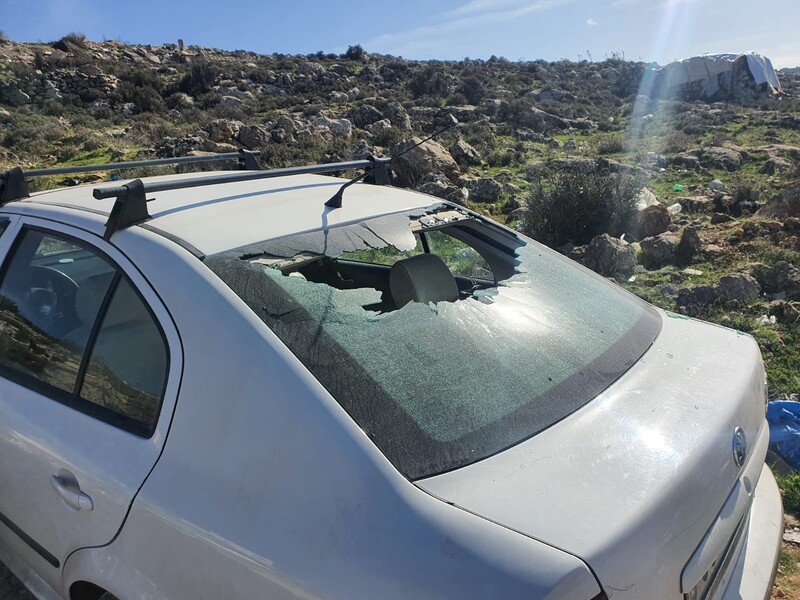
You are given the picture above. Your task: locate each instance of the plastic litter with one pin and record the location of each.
(783, 417)
(674, 209)
(766, 321)
(677, 187)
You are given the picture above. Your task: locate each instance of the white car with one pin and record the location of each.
(218, 386)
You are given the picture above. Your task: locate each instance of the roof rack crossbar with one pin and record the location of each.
(16, 189)
(379, 164)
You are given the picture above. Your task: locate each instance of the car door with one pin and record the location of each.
(89, 371)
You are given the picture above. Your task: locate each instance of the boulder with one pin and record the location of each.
(379, 127)
(364, 114)
(717, 186)
(717, 157)
(782, 277)
(786, 206)
(645, 198)
(776, 164)
(689, 246)
(442, 188)
(254, 136)
(540, 121)
(223, 130)
(398, 116)
(341, 128)
(659, 250)
(418, 164)
(738, 289)
(686, 160)
(652, 220)
(609, 257)
(483, 189)
(695, 301)
(464, 154)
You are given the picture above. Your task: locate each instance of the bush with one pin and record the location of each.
(199, 79)
(790, 486)
(472, 90)
(355, 52)
(430, 81)
(611, 145)
(578, 204)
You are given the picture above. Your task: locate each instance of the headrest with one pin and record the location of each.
(422, 278)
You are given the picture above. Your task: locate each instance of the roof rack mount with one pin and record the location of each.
(15, 187)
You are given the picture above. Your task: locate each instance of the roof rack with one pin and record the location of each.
(130, 207)
(15, 188)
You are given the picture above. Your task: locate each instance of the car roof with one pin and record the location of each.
(219, 217)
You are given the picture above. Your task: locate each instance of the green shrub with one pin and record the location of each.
(578, 204)
(355, 52)
(611, 145)
(199, 79)
(790, 486)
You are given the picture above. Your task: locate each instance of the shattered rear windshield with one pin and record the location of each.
(441, 360)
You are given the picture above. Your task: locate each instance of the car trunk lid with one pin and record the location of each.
(635, 482)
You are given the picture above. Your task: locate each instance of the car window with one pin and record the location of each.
(54, 292)
(3, 225)
(127, 367)
(461, 259)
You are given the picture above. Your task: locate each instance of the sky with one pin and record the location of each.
(649, 30)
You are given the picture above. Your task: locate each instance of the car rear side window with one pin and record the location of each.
(3, 225)
(73, 328)
(127, 367)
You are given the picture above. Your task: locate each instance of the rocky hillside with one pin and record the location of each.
(709, 224)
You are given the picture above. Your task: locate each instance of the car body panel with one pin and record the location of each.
(650, 462)
(41, 437)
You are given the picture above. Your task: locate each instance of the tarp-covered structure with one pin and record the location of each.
(717, 77)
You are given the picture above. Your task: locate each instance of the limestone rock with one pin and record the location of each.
(609, 257)
(414, 166)
(659, 250)
(738, 289)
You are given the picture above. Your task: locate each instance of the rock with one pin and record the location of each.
(651, 221)
(418, 164)
(686, 160)
(645, 198)
(15, 96)
(363, 115)
(717, 186)
(379, 127)
(689, 246)
(738, 289)
(694, 204)
(571, 145)
(541, 121)
(787, 205)
(782, 277)
(774, 165)
(659, 250)
(696, 301)
(464, 154)
(717, 157)
(338, 127)
(223, 130)
(717, 218)
(398, 116)
(442, 188)
(254, 136)
(230, 101)
(609, 257)
(483, 189)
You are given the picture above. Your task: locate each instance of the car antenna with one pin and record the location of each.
(336, 200)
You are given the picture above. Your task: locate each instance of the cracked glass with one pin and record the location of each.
(440, 385)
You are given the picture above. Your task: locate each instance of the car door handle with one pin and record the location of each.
(72, 494)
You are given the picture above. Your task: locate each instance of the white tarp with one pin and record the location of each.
(707, 69)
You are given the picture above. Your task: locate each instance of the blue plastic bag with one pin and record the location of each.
(783, 417)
